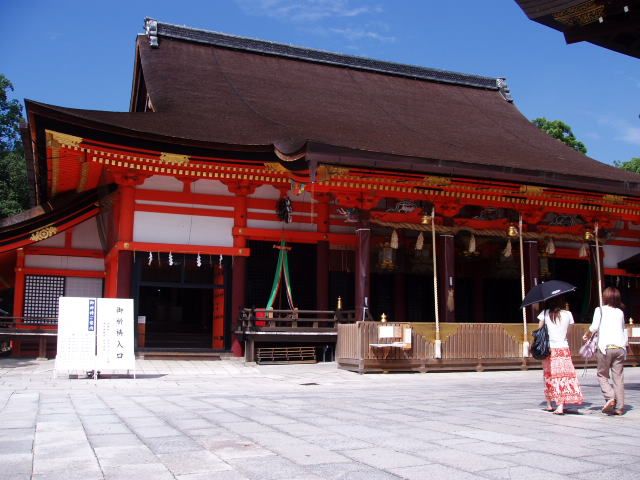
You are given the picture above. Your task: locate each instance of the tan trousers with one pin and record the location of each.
(612, 361)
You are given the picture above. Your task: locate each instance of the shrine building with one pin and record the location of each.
(249, 174)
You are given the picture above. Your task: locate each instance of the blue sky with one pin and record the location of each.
(80, 53)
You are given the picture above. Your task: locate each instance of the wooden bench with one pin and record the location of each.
(285, 355)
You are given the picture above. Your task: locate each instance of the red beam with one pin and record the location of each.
(295, 236)
(67, 252)
(177, 248)
(204, 212)
(64, 272)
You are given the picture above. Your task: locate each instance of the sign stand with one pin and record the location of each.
(95, 335)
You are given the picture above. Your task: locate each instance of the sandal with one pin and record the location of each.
(556, 412)
(619, 412)
(611, 403)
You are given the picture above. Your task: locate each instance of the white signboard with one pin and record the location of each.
(95, 334)
(76, 334)
(115, 334)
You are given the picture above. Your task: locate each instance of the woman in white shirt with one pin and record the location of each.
(560, 381)
(612, 342)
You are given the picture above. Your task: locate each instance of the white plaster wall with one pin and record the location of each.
(182, 229)
(266, 191)
(210, 187)
(86, 235)
(163, 183)
(615, 253)
(278, 226)
(184, 205)
(66, 263)
(83, 287)
(55, 241)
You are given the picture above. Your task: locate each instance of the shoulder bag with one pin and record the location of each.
(590, 347)
(541, 348)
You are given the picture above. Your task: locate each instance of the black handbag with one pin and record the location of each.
(540, 348)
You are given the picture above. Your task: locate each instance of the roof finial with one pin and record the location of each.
(503, 88)
(151, 29)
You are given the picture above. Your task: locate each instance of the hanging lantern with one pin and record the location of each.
(420, 242)
(425, 220)
(550, 247)
(170, 259)
(150, 261)
(198, 260)
(512, 231)
(394, 240)
(385, 257)
(588, 236)
(508, 250)
(544, 267)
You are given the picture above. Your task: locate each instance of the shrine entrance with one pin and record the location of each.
(183, 301)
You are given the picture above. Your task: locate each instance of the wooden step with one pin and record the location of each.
(286, 355)
(182, 354)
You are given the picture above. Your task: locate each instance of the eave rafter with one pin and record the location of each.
(352, 185)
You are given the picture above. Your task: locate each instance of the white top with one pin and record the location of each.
(612, 331)
(557, 331)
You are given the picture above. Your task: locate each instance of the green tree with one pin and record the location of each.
(560, 131)
(14, 190)
(632, 165)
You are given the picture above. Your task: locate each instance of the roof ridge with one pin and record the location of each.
(155, 29)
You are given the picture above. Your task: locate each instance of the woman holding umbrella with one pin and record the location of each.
(560, 381)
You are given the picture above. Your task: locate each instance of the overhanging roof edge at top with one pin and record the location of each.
(223, 40)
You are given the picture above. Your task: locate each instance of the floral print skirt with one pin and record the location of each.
(560, 380)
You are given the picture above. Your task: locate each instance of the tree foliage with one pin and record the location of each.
(14, 192)
(632, 165)
(560, 131)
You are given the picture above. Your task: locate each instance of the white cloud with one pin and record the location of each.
(305, 10)
(593, 135)
(631, 135)
(625, 131)
(361, 33)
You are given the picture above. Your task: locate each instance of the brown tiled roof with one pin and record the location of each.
(212, 89)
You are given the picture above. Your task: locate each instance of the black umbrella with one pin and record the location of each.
(545, 291)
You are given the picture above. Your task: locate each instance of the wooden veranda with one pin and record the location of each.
(465, 346)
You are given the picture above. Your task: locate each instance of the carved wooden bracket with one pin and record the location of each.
(241, 188)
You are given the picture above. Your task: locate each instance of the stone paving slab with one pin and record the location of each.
(224, 420)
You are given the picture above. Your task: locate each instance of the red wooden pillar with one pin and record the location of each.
(239, 267)
(111, 280)
(400, 285)
(218, 310)
(531, 274)
(446, 278)
(18, 296)
(119, 263)
(363, 256)
(322, 253)
(19, 288)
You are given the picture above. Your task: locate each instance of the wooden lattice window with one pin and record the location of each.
(41, 296)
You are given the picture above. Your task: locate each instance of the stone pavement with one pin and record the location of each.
(229, 421)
